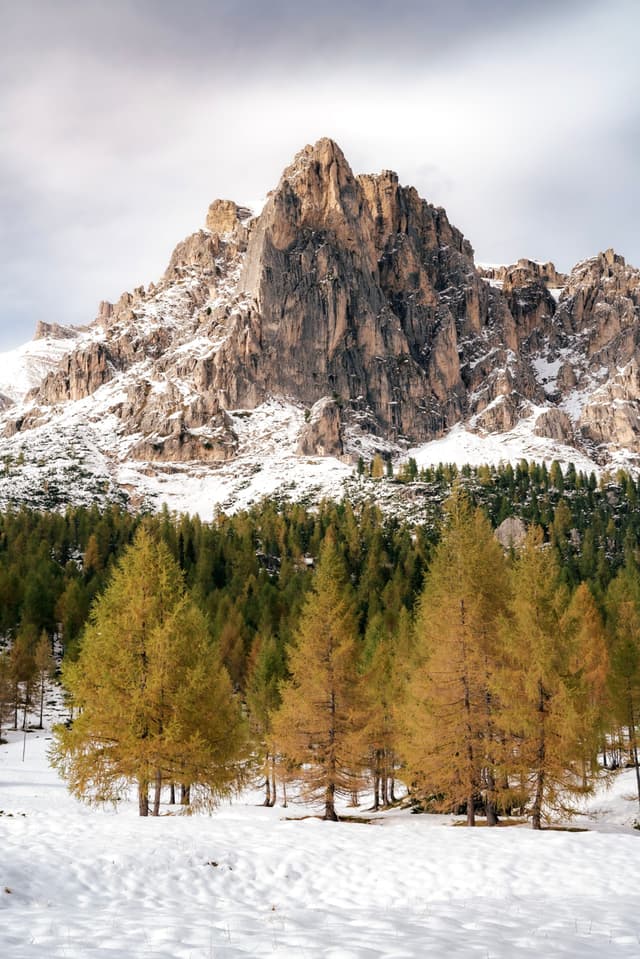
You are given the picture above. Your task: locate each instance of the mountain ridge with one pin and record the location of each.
(356, 305)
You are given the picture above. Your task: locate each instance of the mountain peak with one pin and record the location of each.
(224, 215)
(323, 185)
(324, 152)
(350, 298)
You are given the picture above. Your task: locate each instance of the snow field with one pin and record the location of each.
(80, 883)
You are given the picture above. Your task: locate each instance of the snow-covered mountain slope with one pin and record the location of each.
(347, 319)
(24, 368)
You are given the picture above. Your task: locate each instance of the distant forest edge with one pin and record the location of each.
(249, 571)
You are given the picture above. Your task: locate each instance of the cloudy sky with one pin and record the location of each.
(121, 121)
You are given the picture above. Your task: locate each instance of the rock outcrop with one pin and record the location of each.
(80, 373)
(524, 273)
(54, 331)
(511, 533)
(322, 432)
(358, 300)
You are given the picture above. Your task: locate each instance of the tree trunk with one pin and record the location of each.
(157, 792)
(172, 794)
(392, 790)
(26, 703)
(490, 794)
(471, 811)
(329, 803)
(185, 795)
(490, 806)
(385, 778)
(330, 794)
(471, 794)
(41, 701)
(272, 772)
(536, 811)
(143, 798)
(634, 747)
(267, 791)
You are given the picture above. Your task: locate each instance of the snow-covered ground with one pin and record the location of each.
(79, 883)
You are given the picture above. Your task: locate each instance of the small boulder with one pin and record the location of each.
(511, 533)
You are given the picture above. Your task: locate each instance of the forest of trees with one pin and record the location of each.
(353, 651)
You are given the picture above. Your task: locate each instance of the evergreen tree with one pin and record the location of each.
(23, 668)
(45, 667)
(451, 741)
(155, 702)
(588, 670)
(263, 700)
(318, 725)
(377, 467)
(384, 678)
(623, 608)
(541, 710)
(6, 690)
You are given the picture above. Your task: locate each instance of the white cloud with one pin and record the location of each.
(113, 159)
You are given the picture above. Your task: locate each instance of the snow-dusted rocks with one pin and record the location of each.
(511, 533)
(322, 433)
(349, 287)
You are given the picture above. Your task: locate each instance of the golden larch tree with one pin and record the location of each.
(318, 725)
(451, 742)
(543, 706)
(154, 701)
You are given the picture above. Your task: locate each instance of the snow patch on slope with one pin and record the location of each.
(462, 447)
(24, 368)
(266, 465)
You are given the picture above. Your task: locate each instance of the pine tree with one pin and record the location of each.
(318, 725)
(155, 702)
(377, 467)
(263, 700)
(6, 690)
(45, 666)
(623, 608)
(451, 742)
(23, 668)
(384, 679)
(588, 670)
(541, 711)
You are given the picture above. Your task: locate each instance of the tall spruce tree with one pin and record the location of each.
(318, 725)
(155, 703)
(451, 743)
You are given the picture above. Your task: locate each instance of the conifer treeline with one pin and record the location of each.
(251, 573)
(53, 564)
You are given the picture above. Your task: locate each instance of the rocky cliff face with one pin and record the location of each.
(525, 272)
(353, 298)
